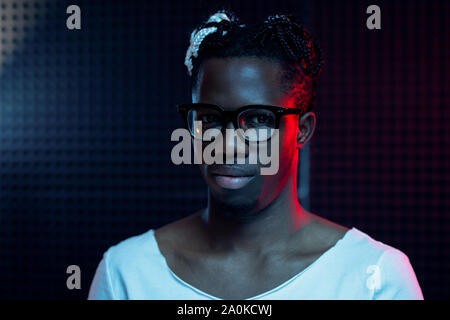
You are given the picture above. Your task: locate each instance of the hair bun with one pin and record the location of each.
(218, 17)
(223, 14)
(212, 25)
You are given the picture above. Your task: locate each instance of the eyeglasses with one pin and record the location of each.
(261, 118)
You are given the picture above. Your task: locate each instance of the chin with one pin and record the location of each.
(236, 202)
(237, 210)
(237, 197)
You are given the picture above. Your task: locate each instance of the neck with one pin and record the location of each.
(272, 227)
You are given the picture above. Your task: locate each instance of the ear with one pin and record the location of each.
(306, 126)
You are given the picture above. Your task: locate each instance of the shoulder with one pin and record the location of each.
(378, 267)
(369, 249)
(356, 242)
(134, 248)
(319, 234)
(148, 244)
(120, 264)
(359, 247)
(390, 274)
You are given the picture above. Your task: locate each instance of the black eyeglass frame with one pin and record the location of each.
(233, 116)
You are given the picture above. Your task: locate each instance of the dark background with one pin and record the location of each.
(86, 118)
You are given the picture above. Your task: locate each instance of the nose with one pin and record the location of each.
(234, 146)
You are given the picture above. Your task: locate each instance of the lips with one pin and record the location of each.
(232, 177)
(231, 182)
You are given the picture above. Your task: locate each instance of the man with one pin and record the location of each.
(253, 239)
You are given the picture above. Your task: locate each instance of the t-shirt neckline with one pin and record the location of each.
(322, 257)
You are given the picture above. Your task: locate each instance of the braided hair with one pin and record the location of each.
(281, 38)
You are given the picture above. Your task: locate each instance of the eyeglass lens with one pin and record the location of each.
(258, 119)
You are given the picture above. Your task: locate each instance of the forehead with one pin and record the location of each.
(234, 82)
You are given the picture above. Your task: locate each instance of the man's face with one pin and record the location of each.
(232, 83)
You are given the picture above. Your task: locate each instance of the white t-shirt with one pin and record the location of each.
(356, 267)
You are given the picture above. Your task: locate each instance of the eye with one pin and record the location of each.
(260, 119)
(209, 118)
(257, 118)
